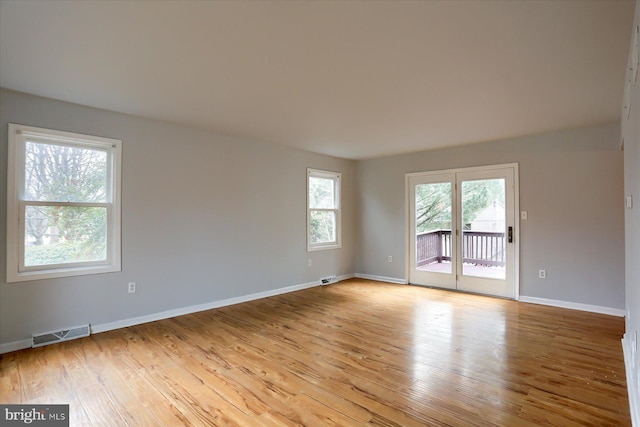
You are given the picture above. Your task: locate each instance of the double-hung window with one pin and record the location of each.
(323, 210)
(63, 216)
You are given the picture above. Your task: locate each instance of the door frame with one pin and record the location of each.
(516, 207)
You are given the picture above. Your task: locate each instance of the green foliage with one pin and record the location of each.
(60, 253)
(433, 207)
(61, 173)
(322, 195)
(477, 195)
(433, 202)
(323, 227)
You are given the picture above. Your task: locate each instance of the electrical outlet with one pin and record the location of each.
(309, 262)
(132, 287)
(542, 274)
(389, 258)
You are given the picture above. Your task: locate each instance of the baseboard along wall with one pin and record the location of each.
(619, 312)
(381, 278)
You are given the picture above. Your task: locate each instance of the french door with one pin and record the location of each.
(462, 229)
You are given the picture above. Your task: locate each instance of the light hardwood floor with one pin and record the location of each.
(354, 353)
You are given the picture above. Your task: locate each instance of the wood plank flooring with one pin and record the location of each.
(353, 353)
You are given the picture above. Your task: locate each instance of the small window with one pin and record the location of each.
(323, 210)
(63, 204)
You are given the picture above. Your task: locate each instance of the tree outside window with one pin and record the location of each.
(323, 209)
(63, 204)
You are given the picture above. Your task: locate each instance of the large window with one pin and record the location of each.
(63, 204)
(323, 210)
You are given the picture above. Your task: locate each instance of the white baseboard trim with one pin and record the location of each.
(15, 346)
(574, 306)
(104, 327)
(632, 386)
(381, 278)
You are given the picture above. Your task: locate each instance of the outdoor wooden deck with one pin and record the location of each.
(468, 269)
(483, 253)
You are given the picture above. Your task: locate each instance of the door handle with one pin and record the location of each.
(510, 234)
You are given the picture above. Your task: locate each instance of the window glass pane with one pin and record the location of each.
(60, 173)
(321, 193)
(433, 207)
(323, 226)
(64, 234)
(484, 226)
(433, 227)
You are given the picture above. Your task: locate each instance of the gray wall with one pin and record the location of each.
(571, 185)
(205, 217)
(193, 217)
(631, 135)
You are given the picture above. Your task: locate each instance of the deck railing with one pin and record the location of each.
(485, 248)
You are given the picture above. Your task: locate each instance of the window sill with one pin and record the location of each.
(60, 272)
(323, 247)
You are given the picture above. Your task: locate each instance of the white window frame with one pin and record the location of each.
(16, 204)
(337, 178)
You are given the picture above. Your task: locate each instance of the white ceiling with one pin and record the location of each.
(352, 79)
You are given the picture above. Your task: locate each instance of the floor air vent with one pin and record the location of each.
(328, 280)
(53, 337)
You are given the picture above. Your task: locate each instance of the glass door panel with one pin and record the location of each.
(433, 249)
(484, 228)
(486, 262)
(433, 227)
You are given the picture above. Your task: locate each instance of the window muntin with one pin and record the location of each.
(63, 205)
(323, 210)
